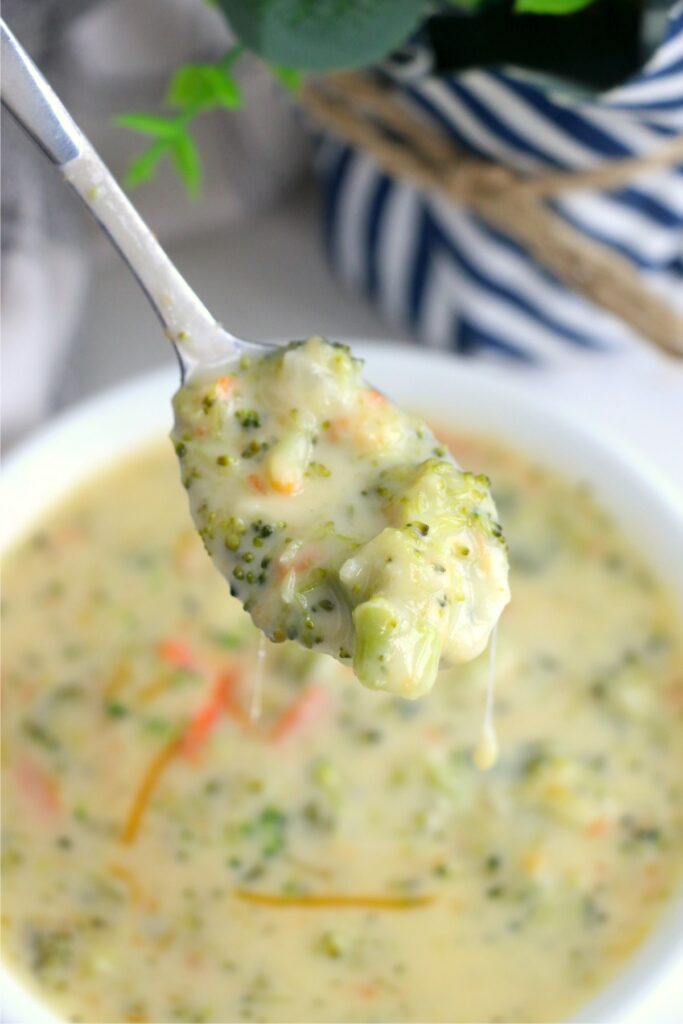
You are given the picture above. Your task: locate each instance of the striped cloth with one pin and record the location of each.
(458, 283)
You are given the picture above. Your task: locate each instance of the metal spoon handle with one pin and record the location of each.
(33, 103)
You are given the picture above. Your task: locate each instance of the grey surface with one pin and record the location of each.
(264, 278)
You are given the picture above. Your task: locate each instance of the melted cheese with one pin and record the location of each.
(486, 751)
(338, 520)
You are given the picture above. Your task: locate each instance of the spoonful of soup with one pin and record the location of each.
(338, 520)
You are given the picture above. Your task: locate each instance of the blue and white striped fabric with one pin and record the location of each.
(456, 282)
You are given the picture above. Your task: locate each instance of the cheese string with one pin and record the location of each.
(486, 751)
(256, 689)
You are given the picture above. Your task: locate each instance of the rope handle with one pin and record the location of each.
(373, 117)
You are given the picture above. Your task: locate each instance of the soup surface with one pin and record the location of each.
(171, 855)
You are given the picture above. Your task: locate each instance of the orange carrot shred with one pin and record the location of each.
(286, 487)
(339, 427)
(225, 385)
(257, 484)
(347, 901)
(150, 779)
(179, 654)
(118, 679)
(597, 827)
(159, 684)
(309, 707)
(220, 700)
(306, 559)
(39, 788)
(368, 990)
(125, 875)
(674, 695)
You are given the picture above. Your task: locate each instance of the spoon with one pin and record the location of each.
(395, 635)
(198, 339)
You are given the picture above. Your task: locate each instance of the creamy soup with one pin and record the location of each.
(170, 856)
(340, 521)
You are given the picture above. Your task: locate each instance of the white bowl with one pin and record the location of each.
(86, 440)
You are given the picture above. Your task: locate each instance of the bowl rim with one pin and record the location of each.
(75, 429)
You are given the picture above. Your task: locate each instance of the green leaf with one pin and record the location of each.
(320, 35)
(186, 157)
(204, 85)
(143, 167)
(289, 77)
(550, 6)
(149, 124)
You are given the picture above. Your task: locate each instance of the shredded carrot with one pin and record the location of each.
(70, 534)
(40, 789)
(257, 484)
(151, 777)
(125, 875)
(287, 487)
(339, 427)
(225, 385)
(117, 680)
(368, 990)
(178, 654)
(201, 725)
(309, 707)
(376, 397)
(434, 734)
(220, 700)
(347, 901)
(159, 684)
(597, 827)
(306, 559)
(674, 695)
(237, 712)
(297, 566)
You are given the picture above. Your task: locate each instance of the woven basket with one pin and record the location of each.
(485, 214)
